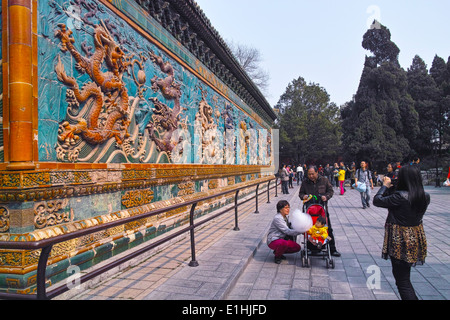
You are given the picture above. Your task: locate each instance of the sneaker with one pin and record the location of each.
(278, 260)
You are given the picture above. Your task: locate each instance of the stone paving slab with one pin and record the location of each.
(230, 255)
(238, 265)
(140, 277)
(359, 237)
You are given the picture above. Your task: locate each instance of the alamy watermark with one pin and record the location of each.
(73, 281)
(374, 280)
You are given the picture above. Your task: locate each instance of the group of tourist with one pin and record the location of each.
(401, 193)
(290, 173)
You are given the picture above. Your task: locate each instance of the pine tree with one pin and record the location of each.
(440, 71)
(423, 90)
(380, 123)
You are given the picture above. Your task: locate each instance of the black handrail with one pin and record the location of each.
(47, 244)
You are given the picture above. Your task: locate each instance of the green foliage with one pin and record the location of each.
(394, 115)
(309, 123)
(381, 122)
(440, 114)
(378, 41)
(424, 92)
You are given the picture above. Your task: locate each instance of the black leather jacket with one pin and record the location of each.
(322, 187)
(400, 211)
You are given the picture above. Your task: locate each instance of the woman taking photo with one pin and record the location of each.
(404, 239)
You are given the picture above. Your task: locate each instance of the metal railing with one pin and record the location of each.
(46, 244)
(433, 176)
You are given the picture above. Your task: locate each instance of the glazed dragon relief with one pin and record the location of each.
(106, 93)
(210, 151)
(165, 121)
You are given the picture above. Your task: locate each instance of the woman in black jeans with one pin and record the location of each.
(404, 240)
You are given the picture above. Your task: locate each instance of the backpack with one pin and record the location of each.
(369, 174)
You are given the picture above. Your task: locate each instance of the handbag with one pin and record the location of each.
(361, 187)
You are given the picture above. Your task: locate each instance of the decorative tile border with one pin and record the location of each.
(47, 185)
(23, 260)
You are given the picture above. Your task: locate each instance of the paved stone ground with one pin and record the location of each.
(137, 281)
(238, 265)
(359, 238)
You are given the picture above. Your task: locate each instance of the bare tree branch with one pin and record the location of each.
(250, 60)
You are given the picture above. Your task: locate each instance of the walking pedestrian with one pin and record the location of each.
(352, 171)
(398, 165)
(393, 175)
(299, 173)
(363, 175)
(335, 181)
(284, 176)
(321, 170)
(291, 176)
(328, 172)
(342, 166)
(404, 239)
(416, 162)
(447, 182)
(280, 237)
(341, 179)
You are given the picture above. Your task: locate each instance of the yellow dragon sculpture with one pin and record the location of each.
(107, 90)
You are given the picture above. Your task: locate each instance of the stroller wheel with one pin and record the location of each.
(330, 263)
(306, 262)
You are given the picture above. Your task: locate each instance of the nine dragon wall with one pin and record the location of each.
(172, 116)
(128, 121)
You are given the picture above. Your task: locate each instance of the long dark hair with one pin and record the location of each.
(410, 179)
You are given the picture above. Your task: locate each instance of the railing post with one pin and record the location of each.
(46, 248)
(276, 187)
(268, 192)
(236, 227)
(257, 187)
(40, 274)
(193, 262)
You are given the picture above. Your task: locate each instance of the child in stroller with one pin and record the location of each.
(318, 234)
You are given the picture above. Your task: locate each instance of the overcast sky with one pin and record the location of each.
(321, 40)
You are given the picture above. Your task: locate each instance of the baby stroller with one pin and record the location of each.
(315, 208)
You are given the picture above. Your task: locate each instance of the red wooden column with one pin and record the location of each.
(19, 61)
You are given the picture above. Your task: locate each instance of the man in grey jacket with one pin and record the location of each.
(281, 237)
(364, 175)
